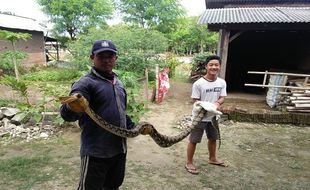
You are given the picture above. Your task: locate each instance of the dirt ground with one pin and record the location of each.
(259, 155)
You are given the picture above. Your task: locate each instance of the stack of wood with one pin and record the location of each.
(296, 100)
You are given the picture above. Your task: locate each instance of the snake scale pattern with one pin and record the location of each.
(142, 128)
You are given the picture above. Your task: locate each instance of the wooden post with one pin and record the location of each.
(265, 78)
(146, 87)
(157, 82)
(223, 53)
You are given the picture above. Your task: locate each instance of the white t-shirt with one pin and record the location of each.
(209, 91)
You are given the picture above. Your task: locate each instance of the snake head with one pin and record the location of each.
(76, 102)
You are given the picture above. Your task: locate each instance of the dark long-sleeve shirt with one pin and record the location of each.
(101, 95)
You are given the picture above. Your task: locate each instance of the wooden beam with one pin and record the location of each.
(235, 36)
(223, 53)
(277, 86)
(279, 73)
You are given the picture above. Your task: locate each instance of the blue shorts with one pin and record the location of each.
(197, 132)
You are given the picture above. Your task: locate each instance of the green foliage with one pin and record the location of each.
(201, 57)
(189, 37)
(6, 58)
(135, 106)
(159, 15)
(76, 16)
(13, 37)
(17, 85)
(172, 63)
(135, 109)
(137, 47)
(55, 75)
(198, 67)
(129, 79)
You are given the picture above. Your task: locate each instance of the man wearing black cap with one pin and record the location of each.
(103, 154)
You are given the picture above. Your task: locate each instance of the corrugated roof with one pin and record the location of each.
(238, 3)
(256, 15)
(17, 22)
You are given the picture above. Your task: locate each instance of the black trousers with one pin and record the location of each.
(102, 173)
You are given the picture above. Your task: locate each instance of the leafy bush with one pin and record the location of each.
(135, 109)
(56, 75)
(6, 60)
(19, 86)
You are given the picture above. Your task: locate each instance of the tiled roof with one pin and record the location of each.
(256, 15)
(17, 22)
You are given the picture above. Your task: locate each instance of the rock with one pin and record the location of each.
(9, 112)
(21, 117)
(1, 115)
(43, 135)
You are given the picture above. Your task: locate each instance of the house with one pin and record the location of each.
(259, 35)
(34, 47)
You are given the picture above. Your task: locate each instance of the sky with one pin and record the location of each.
(29, 8)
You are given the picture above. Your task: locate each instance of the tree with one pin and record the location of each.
(13, 37)
(189, 37)
(138, 48)
(159, 14)
(76, 16)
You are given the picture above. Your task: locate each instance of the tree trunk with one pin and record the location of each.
(15, 61)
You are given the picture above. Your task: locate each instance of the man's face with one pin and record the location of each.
(104, 61)
(213, 67)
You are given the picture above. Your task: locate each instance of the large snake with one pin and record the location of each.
(78, 101)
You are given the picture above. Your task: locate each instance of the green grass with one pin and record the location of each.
(26, 166)
(25, 170)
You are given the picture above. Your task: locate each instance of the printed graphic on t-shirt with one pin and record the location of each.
(215, 89)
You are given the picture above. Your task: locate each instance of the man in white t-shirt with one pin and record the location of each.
(212, 89)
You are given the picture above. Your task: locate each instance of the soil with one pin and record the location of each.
(259, 155)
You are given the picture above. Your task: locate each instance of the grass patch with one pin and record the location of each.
(25, 171)
(34, 165)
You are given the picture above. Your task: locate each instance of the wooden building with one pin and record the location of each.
(259, 35)
(34, 47)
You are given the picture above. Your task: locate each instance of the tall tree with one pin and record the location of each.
(189, 37)
(155, 14)
(76, 16)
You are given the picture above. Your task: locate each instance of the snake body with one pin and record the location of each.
(144, 128)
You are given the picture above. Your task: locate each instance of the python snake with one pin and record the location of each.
(141, 128)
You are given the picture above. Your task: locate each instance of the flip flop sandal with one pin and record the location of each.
(193, 171)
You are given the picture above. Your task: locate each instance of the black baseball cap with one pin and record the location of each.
(103, 45)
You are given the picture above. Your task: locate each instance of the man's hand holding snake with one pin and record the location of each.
(77, 103)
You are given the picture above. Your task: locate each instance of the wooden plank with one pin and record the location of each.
(301, 111)
(300, 95)
(235, 36)
(299, 98)
(306, 81)
(301, 101)
(277, 86)
(302, 106)
(279, 73)
(285, 93)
